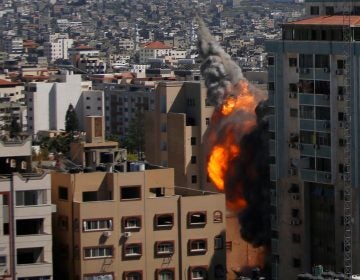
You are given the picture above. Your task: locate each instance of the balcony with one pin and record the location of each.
(316, 176)
(315, 125)
(313, 149)
(322, 73)
(314, 99)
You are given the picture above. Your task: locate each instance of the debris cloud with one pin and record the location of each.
(237, 140)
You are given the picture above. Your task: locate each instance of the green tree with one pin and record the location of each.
(71, 120)
(135, 139)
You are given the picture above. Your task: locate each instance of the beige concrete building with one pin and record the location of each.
(174, 132)
(136, 225)
(25, 216)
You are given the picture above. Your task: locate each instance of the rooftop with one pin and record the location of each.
(7, 83)
(156, 45)
(328, 20)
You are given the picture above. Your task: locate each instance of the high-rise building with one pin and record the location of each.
(328, 8)
(174, 132)
(314, 147)
(47, 102)
(25, 216)
(57, 47)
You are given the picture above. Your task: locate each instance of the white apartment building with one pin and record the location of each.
(12, 45)
(25, 216)
(57, 47)
(48, 102)
(153, 50)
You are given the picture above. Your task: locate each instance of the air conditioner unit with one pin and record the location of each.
(107, 233)
(326, 70)
(292, 171)
(292, 145)
(126, 234)
(340, 98)
(296, 196)
(297, 222)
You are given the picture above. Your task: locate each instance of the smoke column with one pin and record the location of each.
(237, 140)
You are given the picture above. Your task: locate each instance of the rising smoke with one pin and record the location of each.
(247, 176)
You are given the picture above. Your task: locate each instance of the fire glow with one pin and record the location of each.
(227, 147)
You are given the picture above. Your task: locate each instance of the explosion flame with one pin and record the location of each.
(237, 140)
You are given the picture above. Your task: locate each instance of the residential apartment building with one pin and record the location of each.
(135, 224)
(159, 50)
(126, 102)
(12, 45)
(326, 7)
(47, 102)
(314, 147)
(175, 132)
(57, 47)
(26, 231)
(11, 92)
(87, 60)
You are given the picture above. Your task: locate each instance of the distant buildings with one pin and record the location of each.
(47, 102)
(87, 60)
(57, 47)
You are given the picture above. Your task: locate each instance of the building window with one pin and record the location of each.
(197, 246)
(196, 218)
(293, 112)
(130, 193)
(63, 193)
(271, 60)
(217, 216)
(164, 221)
(329, 10)
(89, 196)
(2, 260)
(164, 248)
(29, 198)
(98, 252)
(132, 250)
(296, 238)
(207, 121)
(132, 223)
(292, 62)
(271, 86)
(88, 107)
(99, 276)
(133, 275)
(193, 141)
(63, 222)
(193, 179)
(165, 274)
(296, 262)
(314, 10)
(98, 224)
(218, 242)
(197, 273)
(193, 159)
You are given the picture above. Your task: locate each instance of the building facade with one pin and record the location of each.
(175, 132)
(47, 102)
(26, 231)
(136, 225)
(314, 148)
(57, 47)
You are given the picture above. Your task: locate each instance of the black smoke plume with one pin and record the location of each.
(248, 174)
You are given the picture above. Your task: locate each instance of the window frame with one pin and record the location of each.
(98, 274)
(196, 224)
(166, 253)
(126, 274)
(202, 251)
(131, 199)
(98, 220)
(98, 257)
(126, 218)
(160, 227)
(127, 256)
(170, 269)
(63, 188)
(198, 267)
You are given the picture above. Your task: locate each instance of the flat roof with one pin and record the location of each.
(328, 20)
